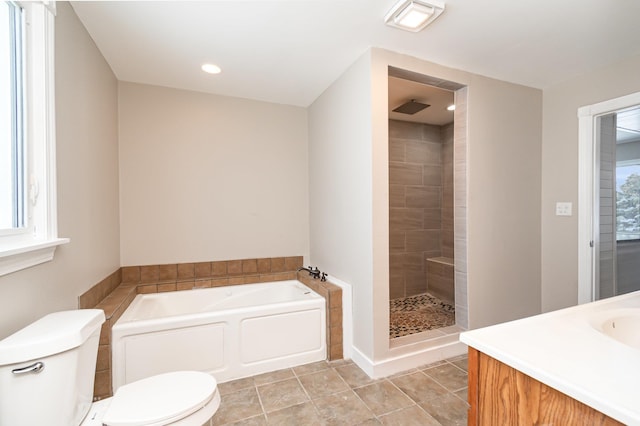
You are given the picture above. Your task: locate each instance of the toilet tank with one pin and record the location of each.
(47, 369)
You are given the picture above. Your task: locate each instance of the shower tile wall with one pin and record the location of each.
(416, 203)
(460, 148)
(447, 191)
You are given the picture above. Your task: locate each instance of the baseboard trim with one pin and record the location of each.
(409, 360)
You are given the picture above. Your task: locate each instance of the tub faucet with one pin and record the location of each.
(315, 273)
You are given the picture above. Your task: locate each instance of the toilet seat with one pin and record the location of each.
(162, 400)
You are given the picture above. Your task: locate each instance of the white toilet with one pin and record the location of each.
(47, 375)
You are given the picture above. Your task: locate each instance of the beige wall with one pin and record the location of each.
(503, 171)
(340, 190)
(504, 201)
(206, 177)
(560, 172)
(504, 166)
(87, 169)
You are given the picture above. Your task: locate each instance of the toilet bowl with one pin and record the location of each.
(184, 398)
(47, 376)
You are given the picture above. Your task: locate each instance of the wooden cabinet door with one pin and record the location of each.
(501, 395)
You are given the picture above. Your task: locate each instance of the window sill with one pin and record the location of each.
(17, 258)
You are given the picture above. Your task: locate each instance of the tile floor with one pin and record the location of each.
(419, 313)
(339, 393)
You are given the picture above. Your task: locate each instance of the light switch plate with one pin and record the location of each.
(563, 209)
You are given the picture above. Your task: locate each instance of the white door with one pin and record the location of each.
(609, 209)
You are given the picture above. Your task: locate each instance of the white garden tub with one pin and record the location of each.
(230, 332)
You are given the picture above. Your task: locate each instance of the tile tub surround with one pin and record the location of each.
(440, 278)
(420, 202)
(333, 296)
(98, 292)
(339, 393)
(186, 276)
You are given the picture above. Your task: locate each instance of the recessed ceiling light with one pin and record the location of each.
(412, 15)
(211, 69)
(451, 107)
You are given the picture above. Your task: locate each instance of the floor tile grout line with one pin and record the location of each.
(275, 381)
(315, 407)
(264, 412)
(353, 390)
(399, 409)
(460, 368)
(457, 396)
(335, 394)
(438, 382)
(416, 403)
(349, 388)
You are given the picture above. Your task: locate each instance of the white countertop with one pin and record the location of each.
(567, 351)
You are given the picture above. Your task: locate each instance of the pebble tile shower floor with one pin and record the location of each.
(339, 393)
(415, 314)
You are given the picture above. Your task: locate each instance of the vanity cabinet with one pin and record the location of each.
(502, 395)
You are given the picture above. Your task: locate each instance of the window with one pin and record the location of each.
(628, 200)
(28, 229)
(12, 194)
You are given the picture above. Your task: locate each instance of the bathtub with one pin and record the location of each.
(230, 332)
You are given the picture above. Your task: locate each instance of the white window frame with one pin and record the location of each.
(37, 244)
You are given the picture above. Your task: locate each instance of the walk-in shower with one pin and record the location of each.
(421, 211)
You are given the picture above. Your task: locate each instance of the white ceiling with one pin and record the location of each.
(289, 51)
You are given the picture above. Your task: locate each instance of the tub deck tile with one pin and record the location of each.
(234, 267)
(264, 266)
(166, 287)
(149, 274)
(186, 270)
(202, 269)
(168, 272)
(219, 269)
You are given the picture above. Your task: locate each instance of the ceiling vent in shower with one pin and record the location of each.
(411, 107)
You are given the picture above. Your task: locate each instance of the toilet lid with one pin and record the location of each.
(160, 399)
